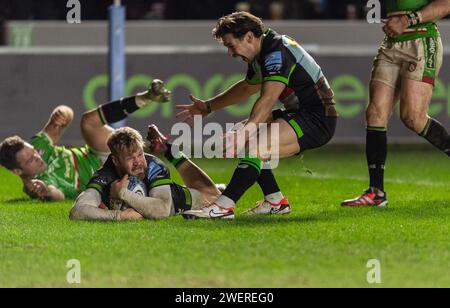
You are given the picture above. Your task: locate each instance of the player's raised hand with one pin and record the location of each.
(62, 116)
(158, 92)
(156, 140)
(187, 112)
(117, 186)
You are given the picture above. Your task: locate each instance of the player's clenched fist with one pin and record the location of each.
(37, 188)
(130, 214)
(117, 186)
(395, 25)
(62, 116)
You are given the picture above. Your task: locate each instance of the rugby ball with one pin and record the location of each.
(135, 185)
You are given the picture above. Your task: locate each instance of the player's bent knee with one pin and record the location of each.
(75, 213)
(91, 119)
(413, 123)
(371, 114)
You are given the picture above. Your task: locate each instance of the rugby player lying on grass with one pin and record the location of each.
(51, 172)
(107, 196)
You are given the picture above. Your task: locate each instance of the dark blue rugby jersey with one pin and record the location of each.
(157, 173)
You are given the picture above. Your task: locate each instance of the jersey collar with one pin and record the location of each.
(265, 35)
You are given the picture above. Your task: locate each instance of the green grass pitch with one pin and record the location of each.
(320, 244)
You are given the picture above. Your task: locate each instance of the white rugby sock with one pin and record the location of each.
(275, 198)
(225, 202)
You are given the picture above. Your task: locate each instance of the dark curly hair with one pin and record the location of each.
(238, 24)
(8, 151)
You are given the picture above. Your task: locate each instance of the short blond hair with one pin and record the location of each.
(125, 139)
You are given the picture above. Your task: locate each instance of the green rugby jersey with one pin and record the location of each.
(69, 170)
(405, 5)
(427, 29)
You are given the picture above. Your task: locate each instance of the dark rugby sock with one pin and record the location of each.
(267, 181)
(376, 153)
(246, 174)
(117, 110)
(437, 135)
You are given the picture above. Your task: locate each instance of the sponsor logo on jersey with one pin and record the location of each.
(274, 61)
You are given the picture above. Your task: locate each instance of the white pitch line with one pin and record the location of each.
(362, 178)
(327, 176)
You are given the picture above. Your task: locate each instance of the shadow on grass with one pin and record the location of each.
(250, 221)
(16, 201)
(423, 209)
(35, 203)
(241, 221)
(402, 210)
(420, 210)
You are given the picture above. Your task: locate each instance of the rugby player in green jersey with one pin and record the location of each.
(405, 69)
(52, 172)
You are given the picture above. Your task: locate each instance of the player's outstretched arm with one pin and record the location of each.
(261, 113)
(59, 120)
(237, 93)
(86, 207)
(37, 189)
(270, 94)
(150, 208)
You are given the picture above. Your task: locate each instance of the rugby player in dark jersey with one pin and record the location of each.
(280, 70)
(107, 196)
